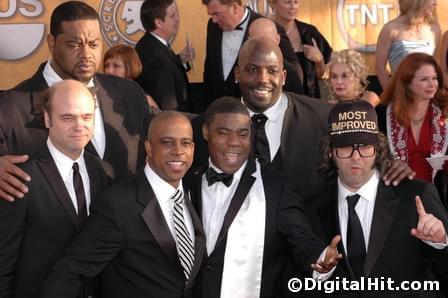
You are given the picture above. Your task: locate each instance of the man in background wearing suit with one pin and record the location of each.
(143, 235)
(252, 221)
(121, 113)
(66, 179)
(387, 232)
(227, 29)
(164, 74)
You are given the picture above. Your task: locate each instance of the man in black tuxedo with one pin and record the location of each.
(122, 113)
(287, 127)
(385, 231)
(252, 221)
(143, 236)
(164, 75)
(36, 228)
(227, 29)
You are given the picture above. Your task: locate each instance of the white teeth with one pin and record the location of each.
(176, 163)
(231, 157)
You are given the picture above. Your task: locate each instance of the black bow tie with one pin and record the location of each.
(212, 177)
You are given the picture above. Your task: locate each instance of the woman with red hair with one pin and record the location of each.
(414, 113)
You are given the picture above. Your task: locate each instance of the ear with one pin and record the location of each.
(50, 42)
(158, 23)
(236, 72)
(148, 149)
(285, 73)
(47, 120)
(205, 131)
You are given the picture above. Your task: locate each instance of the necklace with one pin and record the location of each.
(417, 121)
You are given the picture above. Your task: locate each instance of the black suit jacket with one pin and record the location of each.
(125, 115)
(36, 228)
(215, 85)
(163, 76)
(287, 232)
(128, 237)
(304, 125)
(392, 251)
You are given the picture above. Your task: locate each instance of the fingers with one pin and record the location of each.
(396, 172)
(314, 42)
(335, 241)
(419, 205)
(12, 177)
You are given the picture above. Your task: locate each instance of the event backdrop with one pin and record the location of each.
(24, 25)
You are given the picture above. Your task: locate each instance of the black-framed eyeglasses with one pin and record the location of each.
(364, 150)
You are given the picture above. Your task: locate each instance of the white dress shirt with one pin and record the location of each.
(64, 165)
(99, 136)
(274, 124)
(163, 192)
(215, 202)
(231, 44)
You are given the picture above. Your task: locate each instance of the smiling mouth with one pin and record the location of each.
(261, 91)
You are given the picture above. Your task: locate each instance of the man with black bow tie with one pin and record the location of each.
(387, 232)
(250, 217)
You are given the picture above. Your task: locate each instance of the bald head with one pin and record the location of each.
(164, 118)
(259, 46)
(264, 27)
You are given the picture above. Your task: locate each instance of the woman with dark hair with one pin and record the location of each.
(312, 49)
(414, 113)
(123, 61)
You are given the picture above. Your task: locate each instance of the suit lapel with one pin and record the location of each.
(246, 182)
(386, 205)
(199, 243)
(96, 184)
(54, 179)
(155, 221)
(195, 188)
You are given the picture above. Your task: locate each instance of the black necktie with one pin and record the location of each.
(79, 191)
(356, 247)
(260, 144)
(212, 177)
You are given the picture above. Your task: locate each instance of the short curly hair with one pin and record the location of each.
(354, 62)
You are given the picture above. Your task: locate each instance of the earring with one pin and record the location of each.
(236, 81)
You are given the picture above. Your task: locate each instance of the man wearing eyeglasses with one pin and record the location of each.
(390, 232)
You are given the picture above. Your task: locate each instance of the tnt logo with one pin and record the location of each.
(361, 21)
(120, 21)
(17, 15)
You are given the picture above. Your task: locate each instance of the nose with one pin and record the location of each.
(233, 140)
(262, 76)
(178, 149)
(86, 51)
(356, 154)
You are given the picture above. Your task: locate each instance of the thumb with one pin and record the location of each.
(17, 158)
(419, 205)
(314, 42)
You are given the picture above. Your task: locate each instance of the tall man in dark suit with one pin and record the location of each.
(121, 113)
(226, 31)
(386, 233)
(143, 234)
(252, 221)
(164, 75)
(66, 179)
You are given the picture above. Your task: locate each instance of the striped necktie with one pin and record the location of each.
(184, 243)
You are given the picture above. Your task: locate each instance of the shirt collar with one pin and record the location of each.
(51, 77)
(274, 113)
(62, 161)
(244, 20)
(368, 191)
(159, 38)
(164, 190)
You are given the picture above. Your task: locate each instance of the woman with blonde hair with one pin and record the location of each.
(346, 77)
(414, 30)
(123, 61)
(312, 49)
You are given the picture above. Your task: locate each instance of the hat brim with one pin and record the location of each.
(348, 139)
